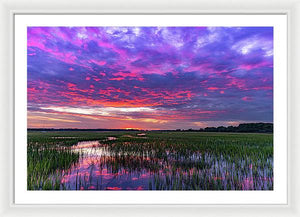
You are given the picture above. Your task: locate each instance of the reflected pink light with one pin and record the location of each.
(86, 145)
(218, 178)
(247, 184)
(64, 180)
(145, 176)
(113, 188)
(140, 188)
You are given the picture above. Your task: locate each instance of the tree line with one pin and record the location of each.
(241, 128)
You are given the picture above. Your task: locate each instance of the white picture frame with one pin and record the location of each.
(9, 9)
(276, 196)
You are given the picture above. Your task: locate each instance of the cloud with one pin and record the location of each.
(182, 75)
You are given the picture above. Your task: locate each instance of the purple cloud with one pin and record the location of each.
(149, 77)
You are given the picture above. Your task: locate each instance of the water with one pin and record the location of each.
(101, 169)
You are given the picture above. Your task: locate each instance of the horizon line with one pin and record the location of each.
(137, 129)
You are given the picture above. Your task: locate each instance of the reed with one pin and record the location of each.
(158, 161)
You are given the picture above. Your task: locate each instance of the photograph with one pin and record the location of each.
(150, 108)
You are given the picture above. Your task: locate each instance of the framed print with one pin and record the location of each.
(153, 110)
(169, 109)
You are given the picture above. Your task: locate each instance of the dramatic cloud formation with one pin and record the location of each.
(149, 77)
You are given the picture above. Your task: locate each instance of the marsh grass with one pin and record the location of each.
(42, 161)
(168, 160)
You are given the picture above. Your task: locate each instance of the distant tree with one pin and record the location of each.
(221, 129)
(231, 129)
(243, 128)
(210, 129)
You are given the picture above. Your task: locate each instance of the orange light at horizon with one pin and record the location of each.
(131, 128)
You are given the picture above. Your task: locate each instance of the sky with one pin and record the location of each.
(149, 77)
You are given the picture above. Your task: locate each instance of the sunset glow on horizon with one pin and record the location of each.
(149, 77)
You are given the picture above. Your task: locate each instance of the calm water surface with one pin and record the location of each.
(95, 171)
(100, 169)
